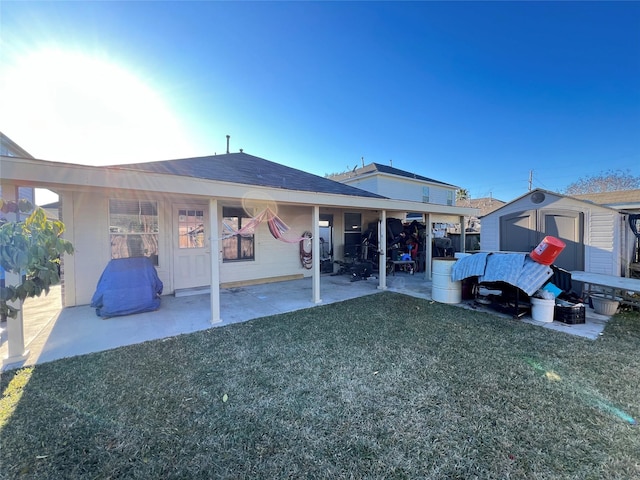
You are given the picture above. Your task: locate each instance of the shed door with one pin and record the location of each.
(568, 226)
(523, 231)
(518, 232)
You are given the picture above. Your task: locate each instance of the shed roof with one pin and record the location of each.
(246, 169)
(538, 191)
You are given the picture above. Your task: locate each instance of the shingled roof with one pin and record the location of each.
(247, 169)
(611, 198)
(486, 205)
(380, 168)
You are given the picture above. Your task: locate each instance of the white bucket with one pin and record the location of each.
(542, 309)
(443, 290)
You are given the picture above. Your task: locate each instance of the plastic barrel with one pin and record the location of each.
(548, 250)
(443, 290)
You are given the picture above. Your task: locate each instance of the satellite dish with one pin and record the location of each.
(538, 197)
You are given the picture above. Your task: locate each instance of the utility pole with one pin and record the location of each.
(530, 179)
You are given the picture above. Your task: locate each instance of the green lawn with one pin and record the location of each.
(384, 386)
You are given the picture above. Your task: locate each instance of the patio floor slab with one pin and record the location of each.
(52, 332)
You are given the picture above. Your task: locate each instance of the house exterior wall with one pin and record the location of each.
(602, 236)
(404, 189)
(91, 243)
(91, 239)
(273, 258)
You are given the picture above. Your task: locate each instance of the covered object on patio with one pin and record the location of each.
(127, 285)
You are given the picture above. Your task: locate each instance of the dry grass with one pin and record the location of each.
(385, 386)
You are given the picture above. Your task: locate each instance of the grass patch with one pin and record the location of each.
(385, 386)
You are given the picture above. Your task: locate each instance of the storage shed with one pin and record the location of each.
(598, 238)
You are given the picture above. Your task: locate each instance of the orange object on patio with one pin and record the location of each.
(547, 250)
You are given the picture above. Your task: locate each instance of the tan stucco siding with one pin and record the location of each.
(91, 239)
(91, 242)
(273, 258)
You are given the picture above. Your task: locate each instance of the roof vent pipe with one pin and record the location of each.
(228, 137)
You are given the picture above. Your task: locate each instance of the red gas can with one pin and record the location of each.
(548, 250)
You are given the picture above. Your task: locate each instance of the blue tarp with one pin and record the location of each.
(127, 285)
(516, 269)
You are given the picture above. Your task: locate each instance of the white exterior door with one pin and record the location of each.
(191, 249)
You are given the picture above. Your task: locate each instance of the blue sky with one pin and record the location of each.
(474, 94)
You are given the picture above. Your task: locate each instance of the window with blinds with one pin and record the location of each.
(133, 229)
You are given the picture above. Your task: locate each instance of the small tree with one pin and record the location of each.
(462, 194)
(606, 181)
(31, 249)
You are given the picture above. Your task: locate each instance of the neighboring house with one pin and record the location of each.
(184, 214)
(598, 238)
(9, 148)
(399, 184)
(627, 200)
(485, 206)
(472, 224)
(52, 210)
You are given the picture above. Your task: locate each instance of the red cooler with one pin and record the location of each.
(548, 250)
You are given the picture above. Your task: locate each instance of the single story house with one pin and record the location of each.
(485, 205)
(206, 222)
(598, 238)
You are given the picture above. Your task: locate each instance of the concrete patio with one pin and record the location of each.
(52, 333)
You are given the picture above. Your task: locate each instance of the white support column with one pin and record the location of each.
(315, 248)
(214, 247)
(428, 247)
(382, 251)
(15, 326)
(463, 236)
(69, 275)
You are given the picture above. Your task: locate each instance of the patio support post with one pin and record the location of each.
(214, 247)
(463, 237)
(382, 251)
(315, 258)
(429, 244)
(15, 326)
(68, 261)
